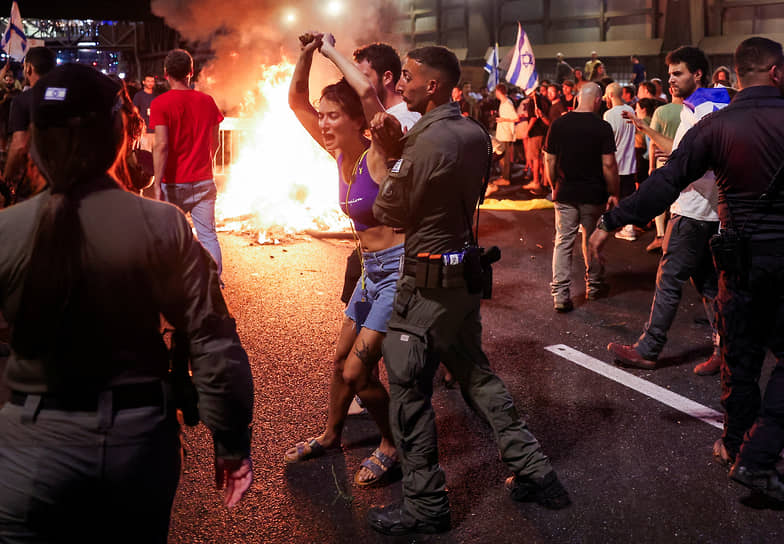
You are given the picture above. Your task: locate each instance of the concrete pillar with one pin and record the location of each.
(698, 16)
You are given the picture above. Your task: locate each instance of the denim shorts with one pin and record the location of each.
(371, 307)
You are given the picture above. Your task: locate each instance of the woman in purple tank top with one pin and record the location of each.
(339, 127)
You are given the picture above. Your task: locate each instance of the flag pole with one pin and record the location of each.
(496, 31)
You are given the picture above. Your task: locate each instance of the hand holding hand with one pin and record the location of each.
(311, 41)
(237, 474)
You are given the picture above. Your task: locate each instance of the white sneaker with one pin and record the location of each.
(627, 233)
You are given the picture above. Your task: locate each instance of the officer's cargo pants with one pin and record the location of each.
(429, 326)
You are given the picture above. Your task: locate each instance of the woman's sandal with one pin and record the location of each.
(302, 451)
(380, 464)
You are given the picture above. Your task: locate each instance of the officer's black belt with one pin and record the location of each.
(124, 397)
(446, 276)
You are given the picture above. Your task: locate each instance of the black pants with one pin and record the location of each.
(751, 319)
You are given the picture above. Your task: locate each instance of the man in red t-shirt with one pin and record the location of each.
(186, 138)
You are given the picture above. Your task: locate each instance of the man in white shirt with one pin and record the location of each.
(505, 133)
(694, 220)
(381, 64)
(624, 146)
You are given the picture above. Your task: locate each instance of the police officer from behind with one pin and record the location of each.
(744, 145)
(431, 192)
(89, 448)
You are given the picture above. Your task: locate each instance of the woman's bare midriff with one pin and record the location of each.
(378, 238)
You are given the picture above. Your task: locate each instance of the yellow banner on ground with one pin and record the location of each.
(517, 205)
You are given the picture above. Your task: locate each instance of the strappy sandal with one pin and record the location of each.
(380, 464)
(302, 451)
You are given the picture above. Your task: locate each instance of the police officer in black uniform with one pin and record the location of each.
(89, 441)
(431, 192)
(744, 145)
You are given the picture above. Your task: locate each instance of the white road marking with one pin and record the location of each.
(665, 396)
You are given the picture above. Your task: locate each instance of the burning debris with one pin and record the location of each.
(281, 184)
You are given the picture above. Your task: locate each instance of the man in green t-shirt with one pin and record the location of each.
(665, 122)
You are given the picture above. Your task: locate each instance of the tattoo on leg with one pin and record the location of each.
(363, 352)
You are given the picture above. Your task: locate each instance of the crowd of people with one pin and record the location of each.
(88, 361)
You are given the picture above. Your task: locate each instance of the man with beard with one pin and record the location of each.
(381, 64)
(744, 144)
(431, 192)
(694, 220)
(142, 101)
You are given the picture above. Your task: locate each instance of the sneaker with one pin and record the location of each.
(563, 305)
(628, 356)
(709, 367)
(766, 481)
(655, 246)
(627, 233)
(547, 491)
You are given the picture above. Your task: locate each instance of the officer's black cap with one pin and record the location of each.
(73, 93)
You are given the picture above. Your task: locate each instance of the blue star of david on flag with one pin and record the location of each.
(522, 70)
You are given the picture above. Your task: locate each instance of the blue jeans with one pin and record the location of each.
(378, 296)
(198, 199)
(686, 254)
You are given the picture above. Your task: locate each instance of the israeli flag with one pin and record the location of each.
(491, 67)
(522, 70)
(14, 41)
(706, 100)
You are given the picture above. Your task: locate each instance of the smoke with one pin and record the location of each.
(247, 34)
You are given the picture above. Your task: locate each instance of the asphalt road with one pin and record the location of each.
(636, 469)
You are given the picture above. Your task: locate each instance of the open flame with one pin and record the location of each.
(282, 182)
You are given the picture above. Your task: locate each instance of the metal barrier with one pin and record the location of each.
(230, 138)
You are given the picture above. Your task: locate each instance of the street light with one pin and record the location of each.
(290, 17)
(334, 8)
